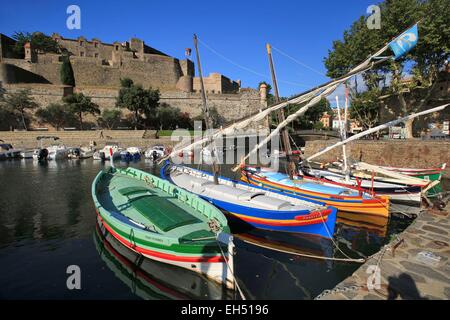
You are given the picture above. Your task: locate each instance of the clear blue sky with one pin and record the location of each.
(238, 30)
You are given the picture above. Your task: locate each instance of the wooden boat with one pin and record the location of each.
(153, 280)
(343, 198)
(162, 222)
(260, 208)
(430, 174)
(378, 186)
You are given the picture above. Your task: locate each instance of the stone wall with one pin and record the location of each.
(231, 107)
(402, 153)
(216, 83)
(125, 138)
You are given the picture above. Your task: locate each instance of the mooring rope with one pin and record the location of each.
(304, 254)
(231, 272)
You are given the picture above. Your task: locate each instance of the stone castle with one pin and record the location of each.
(98, 68)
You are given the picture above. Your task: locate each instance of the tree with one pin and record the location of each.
(126, 83)
(217, 119)
(109, 118)
(422, 64)
(138, 100)
(79, 104)
(365, 108)
(39, 42)
(17, 103)
(66, 71)
(56, 114)
(312, 115)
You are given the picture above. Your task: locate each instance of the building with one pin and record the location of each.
(96, 63)
(98, 68)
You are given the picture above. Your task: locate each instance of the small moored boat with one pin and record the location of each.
(251, 205)
(344, 198)
(162, 222)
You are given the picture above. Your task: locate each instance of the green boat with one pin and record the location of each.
(162, 222)
(427, 174)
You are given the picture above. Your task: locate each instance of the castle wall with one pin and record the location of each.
(216, 83)
(231, 107)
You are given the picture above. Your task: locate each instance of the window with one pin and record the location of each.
(95, 44)
(81, 43)
(117, 48)
(96, 55)
(81, 54)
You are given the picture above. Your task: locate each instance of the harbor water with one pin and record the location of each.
(48, 223)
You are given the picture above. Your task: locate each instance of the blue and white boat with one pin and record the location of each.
(263, 209)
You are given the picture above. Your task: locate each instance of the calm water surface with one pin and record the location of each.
(47, 222)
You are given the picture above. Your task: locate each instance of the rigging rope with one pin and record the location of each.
(248, 69)
(298, 62)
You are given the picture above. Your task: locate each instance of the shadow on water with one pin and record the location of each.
(47, 219)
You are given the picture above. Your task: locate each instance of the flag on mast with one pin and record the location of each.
(405, 42)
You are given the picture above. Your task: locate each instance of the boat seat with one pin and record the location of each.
(133, 190)
(162, 212)
(272, 203)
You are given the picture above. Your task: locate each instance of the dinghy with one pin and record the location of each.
(162, 222)
(263, 209)
(343, 198)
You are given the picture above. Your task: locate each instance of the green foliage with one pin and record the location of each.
(39, 42)
(126, 83)
(109, 118)
(56, 114)
(422, 63)
(138, 100)
(311, 116)
(17, 103)
(66, 72)
(79, 104)
(365, 108)
(169, 118)
(217, 119)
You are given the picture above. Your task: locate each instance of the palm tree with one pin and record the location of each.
(79, 104)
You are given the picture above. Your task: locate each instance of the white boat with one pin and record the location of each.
(104, 154)
(27, 154)
(87, 152)
(7, 151)
(57, 152)
(155, 152)
(81, 153)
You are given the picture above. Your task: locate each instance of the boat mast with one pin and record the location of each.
(280, 114)
(207, 117)
(343, 137)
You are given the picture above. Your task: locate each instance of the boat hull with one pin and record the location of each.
(395, 192)
(374, 206)
(153, 280)
(320, 222)
(212, 267)
(154, 239)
